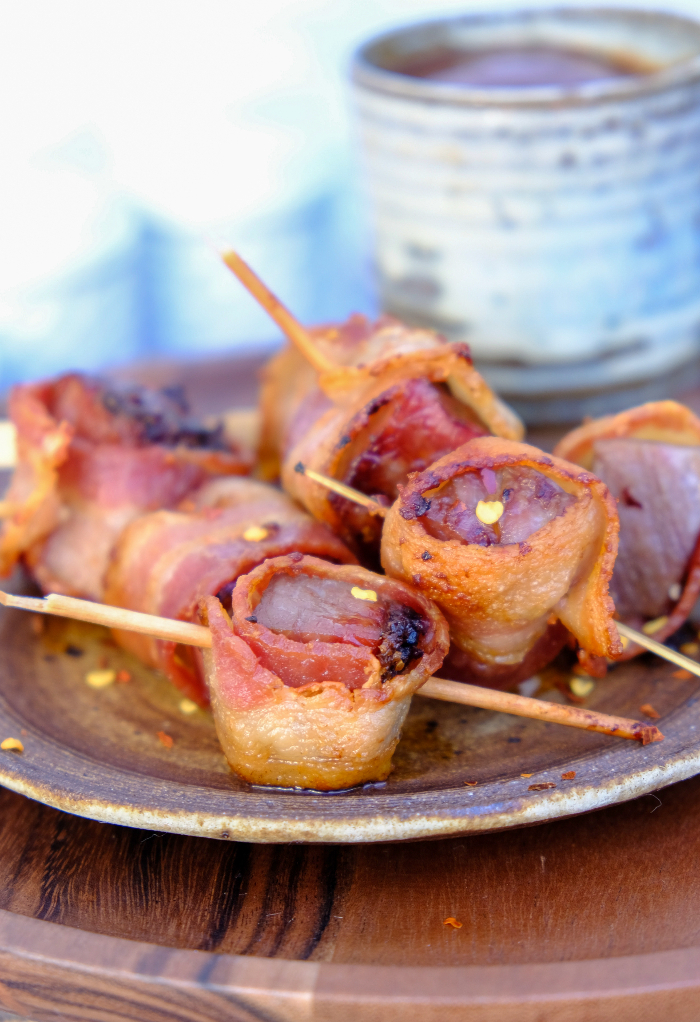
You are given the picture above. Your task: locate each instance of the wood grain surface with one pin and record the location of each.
(622, 881)
(592, 918)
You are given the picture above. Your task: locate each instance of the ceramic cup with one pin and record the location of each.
(555, 227)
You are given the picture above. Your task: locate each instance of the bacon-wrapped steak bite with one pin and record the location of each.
(649, 457)
(396, 415)
(311, 678)
(91, 457)
(512, 544)
(289, 390)
(167, 561)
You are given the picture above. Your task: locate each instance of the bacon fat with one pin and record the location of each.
(505, 587)
(91, 457)
(297, 710)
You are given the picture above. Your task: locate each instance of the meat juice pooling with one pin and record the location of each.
(531, 182)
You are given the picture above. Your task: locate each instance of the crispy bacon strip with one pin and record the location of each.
(507, 585)
(91, 457)
(310, 682)
(665, 422)
(167, 561)
(293, 395)
(650, 459)
(289, 389)
(414, 400)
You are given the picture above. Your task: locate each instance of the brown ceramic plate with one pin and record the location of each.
(97, 753)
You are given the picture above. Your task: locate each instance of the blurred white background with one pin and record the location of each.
(132, 132)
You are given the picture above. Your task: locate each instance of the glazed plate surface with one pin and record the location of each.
(98, 752)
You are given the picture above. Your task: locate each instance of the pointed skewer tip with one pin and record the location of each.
(278, 312)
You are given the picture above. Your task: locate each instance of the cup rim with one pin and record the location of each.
(367, 74)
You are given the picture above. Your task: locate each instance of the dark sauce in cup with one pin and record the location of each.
(521, 67)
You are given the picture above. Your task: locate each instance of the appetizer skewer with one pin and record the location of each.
(390, 401)
(516, 548)
(434, 688)
(629, 634)
(311, 665)
(312, 676)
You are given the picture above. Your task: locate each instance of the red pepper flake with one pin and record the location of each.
(451, 921)
(471, 784)
(682, 674)
(542, 786)
(123, 676)
(568, 775)
(526, 775)
(164, 739)
(648, 710)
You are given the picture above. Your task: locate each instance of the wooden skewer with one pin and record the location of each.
(112, 617)
(373, 506)
(654, 646)
(435, 688)
(277, 311)
(539, 709)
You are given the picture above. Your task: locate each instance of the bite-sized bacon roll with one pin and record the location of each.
(512, 544)
(418, 398)
(291, 399)
(289, 383)
(649, 457)
(167, 561)
(91, 456)
(312, 676)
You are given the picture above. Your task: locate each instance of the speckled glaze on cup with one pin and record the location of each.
(555, 228)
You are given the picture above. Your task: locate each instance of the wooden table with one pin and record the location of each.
(597, 917)
(592, 918)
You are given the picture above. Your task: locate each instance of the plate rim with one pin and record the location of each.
(369, 818)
